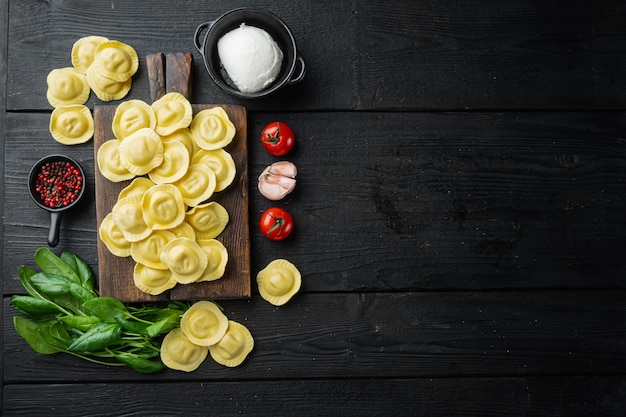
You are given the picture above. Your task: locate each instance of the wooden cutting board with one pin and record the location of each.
(172, 72)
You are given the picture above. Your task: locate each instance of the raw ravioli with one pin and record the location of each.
(204, 323)
(136, 188)
(105, 88)
(185, 259)
(71, 125)
(113, 238)
(174, 165)
(208, 220)
(127, 215)
(115, 60)
(234, 347)
(212, 128)
(180, 353)
(197, 185)
(148, 251)
(84, 52)
(67, 86)
(163, 207)
(109, 162)
(279, 281)
(173, 111)
(142, 151)
(221, 162)
(152, 281)
(130, 116)
(218, 258)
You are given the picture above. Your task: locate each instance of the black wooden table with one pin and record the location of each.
(460, 210)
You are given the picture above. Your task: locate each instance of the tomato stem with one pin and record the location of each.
(279, 222)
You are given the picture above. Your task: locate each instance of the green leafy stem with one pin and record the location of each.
(65, 314)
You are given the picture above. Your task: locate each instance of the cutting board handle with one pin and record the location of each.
(170, 72)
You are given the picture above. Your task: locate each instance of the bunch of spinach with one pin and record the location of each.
(66, 314)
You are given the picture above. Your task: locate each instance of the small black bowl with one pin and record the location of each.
(55, 213)
(262, 19)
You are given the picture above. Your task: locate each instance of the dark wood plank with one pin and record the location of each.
(363, 54)
(390, 335)
(115, 273)
(494, 54)
(403, 200)
(40, 29)
(513, 397)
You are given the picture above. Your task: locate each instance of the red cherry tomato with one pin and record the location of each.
(276, 223)
(277, 138)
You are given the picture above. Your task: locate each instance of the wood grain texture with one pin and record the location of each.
(116, 274)
(440, 397)
(400, 201)
(362, 54)
(391, 335)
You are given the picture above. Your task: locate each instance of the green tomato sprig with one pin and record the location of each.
(65, 314)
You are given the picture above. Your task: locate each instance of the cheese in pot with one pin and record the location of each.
(251, 58)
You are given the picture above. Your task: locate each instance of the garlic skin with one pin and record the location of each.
(277, 180)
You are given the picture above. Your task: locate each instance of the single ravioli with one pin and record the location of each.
(184, 136)
(71, 125)
(153, 281)
(279, 281)
(234, 346)
(212, 128)
(173, 111)
(110, 164)
(136, 188)
(67, 86)
(185, 259)
(180, 353)
(128, 216)
(105, 88)
(218, 258)
(208, 220)
(221, 162)
(204, 323)
(84, 52)
(113, 238)
(130, 116)
(163, 207)
(174, 165)
(148, 251)
(184, 230)
(197, 185)
(142, 151)
(116, 60)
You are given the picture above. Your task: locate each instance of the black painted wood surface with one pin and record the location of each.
(459, 210)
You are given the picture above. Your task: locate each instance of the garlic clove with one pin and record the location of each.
(277, 180)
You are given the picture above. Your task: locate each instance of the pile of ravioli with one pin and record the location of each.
(204, 330)
(99, 64)
(164, 219)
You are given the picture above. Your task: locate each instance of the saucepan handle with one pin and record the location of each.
(196, 38)
(300, 75)
(55, 223)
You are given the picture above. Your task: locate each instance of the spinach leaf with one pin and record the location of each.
(132, 326)
(35, 308)
(50, 284)
(165, 324)
(97, 339)
(81, 268)
(81, 293)
(139, 364)
(49, 262)
(25, 274)
(107, 309)
(38, 336)
(82, 323)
